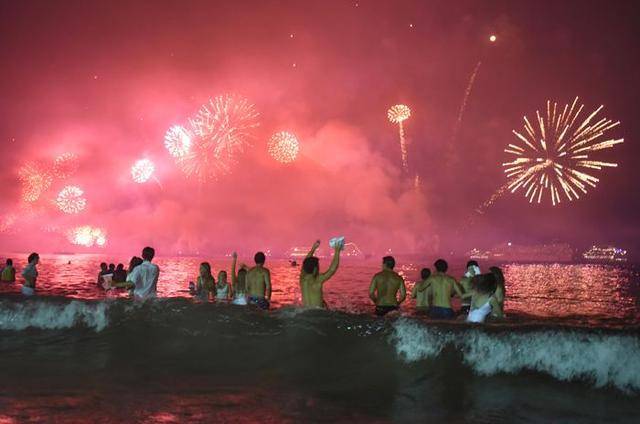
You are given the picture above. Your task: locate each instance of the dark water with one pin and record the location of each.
(569, 352)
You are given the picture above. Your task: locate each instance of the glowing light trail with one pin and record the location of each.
(398, 114)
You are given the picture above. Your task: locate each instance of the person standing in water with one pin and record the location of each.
(223, 288)
(239, 282)
(259, 283)
(104, 270)
(205, 284)
(145, 276)
(312, 281)
(419, 292)
(483, 301)
(500, 289)
(473, 269)
(441, 288)
(30, 274)
(8, 273)
(385, 286)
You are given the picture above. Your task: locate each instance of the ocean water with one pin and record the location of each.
(568, 351)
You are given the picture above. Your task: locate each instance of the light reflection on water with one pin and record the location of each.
(545, 290)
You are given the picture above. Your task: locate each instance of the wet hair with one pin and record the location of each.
(207, 267)
(441, 265)
(134, 262)
(472, 263)
(9, 262)
(259, 258)
(497, 272)
(242, 274)
(103, 265)
(389, 262)
(484, 283)
(32, 257)
(112, 266)
(310, 265)
(220, 274)
(120, 267)
(148, 253)
(425, 273)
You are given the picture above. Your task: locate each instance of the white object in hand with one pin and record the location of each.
(336, 241)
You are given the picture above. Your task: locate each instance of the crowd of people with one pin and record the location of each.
(482, 295)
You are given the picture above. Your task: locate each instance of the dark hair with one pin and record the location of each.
(148, 253)
(441, 265)
(103, 265)
(484, 283)
(120, 267)
(134, 262)
(472, 263)
(310, 265)
(9, 262)
(111, 266)
(32, 257)
(259, 258)
(425, 273)
(497, 272)
(389, 262)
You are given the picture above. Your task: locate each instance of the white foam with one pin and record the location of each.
(604, 359)
(51, 316)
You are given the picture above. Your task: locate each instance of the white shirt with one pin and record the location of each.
(145, 278)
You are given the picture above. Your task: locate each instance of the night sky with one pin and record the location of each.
(105, 80)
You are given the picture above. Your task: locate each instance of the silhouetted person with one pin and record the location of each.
(472, 270)
(30, 274)
(8, 273)
(500, 289)
(259, 283)
(441, 288)
(112, 268)
(312, 281)
(483, 301)
(385, 286)
(119, 275)
(145, 276)
(239, 282)
(419, 292)
(104, 270)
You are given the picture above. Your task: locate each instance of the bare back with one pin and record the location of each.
(385, 287)
(259, 282)
(442, 287)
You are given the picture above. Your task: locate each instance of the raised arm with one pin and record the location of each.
(313, 249)
(403, 291)
(267, 284)
(334, 265)
(372, 290)
(234, 276)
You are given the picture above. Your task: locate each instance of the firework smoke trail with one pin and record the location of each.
(465, 99)
(554, 156)
(398, 114)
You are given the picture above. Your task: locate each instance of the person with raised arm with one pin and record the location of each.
(238, 282)
(385, 286)
(259, 283)
(312, 280)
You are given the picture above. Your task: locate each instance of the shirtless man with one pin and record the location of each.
(312, 281)
(259, 283)
(441, 287)
(384, 288)
(420, 293)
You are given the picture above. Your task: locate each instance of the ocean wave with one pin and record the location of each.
(49, 315)
(601, 358)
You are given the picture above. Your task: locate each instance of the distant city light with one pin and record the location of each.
(493, 38)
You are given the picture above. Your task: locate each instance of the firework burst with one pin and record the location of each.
(142, 171)
(35, 179)
(65, 165)
(398, 114)
(177, 141)
(553, 158)
(284, 147)
(220, 131)
(87, 236)
(71, 200)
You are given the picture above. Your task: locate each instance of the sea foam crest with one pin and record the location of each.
(605, 359)
(52, 316)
